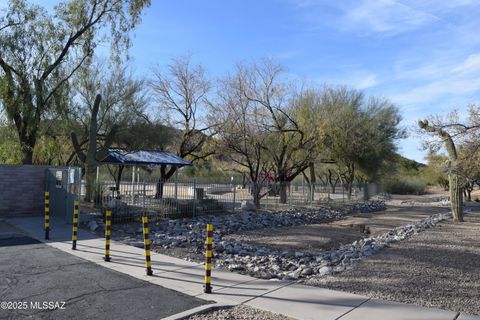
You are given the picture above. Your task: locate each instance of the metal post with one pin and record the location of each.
(194, 196)
(146, 242)
(98, 174)
(176, 185)
(75, 225)
(234, 197)
(144, 194)
(208, 259)
(108, 223)
(47, 215)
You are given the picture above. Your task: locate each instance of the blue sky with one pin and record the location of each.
(422, 55)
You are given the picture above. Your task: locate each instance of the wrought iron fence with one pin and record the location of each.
(182, 198)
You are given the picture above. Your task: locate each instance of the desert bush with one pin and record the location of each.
(405, 185)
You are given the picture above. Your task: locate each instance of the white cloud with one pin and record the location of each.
(471, 64)
(441, 78)
(367, 81)
(352, 76)
(385, 16)
(437, 89)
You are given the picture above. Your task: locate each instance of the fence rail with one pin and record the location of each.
(187, 198)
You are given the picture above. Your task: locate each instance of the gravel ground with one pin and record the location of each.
(438, 268)
(241, 312)
(327, 236)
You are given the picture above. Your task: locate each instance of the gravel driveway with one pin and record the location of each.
(438, 268)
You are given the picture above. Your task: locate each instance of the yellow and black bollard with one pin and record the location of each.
(146, 242)
(208, 259)
(75, 225)
(47, 215)
(108, 224)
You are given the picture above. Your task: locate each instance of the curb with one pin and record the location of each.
(197, 310)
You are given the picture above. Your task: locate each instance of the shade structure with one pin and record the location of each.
(143, 158)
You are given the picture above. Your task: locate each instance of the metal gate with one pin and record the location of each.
(64, 187)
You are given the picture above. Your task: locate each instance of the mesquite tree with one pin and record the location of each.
(181, 92)
(42, 50)
(290, 149)
(359, 133)
(241, 136)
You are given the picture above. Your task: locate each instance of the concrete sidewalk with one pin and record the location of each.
(285, 297)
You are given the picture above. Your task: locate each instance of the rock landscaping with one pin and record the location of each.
(263, 262)
(438, 268)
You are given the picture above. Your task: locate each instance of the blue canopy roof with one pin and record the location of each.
(142, 157)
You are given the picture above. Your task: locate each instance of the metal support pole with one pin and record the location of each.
(208, 259)
(47, 215)
(146, 242)
(108, 224)
(234, 197)
(194, 197)
(176, 184)
(75, 225)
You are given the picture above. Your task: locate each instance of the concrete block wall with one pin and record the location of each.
(22, 189)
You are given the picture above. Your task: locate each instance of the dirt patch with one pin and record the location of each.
(309, 238)
(319, 237)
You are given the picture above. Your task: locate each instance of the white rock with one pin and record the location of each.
(323, 271)
(93, 225)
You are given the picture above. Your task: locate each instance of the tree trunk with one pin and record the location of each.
(283, 192)
(256, 194)
(159, 189)
(312, 182)
(349, 190)
(164, 176)
(119, 179)
(349, 180)
(331, 182)
(456, 196)
(27, 157)
(27, 144)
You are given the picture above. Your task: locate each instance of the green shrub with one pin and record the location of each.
(404, 185)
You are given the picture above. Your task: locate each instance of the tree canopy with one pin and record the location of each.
(41, 51)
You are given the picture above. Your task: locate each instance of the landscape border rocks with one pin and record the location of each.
(267, 263)
(232, 254)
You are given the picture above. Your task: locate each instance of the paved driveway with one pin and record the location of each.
(38, 278)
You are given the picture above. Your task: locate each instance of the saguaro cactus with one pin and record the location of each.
(94, 153)
(455, 179)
